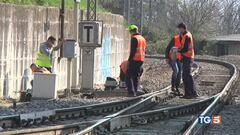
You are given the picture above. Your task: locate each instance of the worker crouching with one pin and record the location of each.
(135, 60)
(123, 73)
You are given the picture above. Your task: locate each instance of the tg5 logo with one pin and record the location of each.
(210, 119)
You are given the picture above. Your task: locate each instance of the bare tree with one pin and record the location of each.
(230, 17)
(201, 16)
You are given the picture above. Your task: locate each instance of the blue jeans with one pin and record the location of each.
(177, 73)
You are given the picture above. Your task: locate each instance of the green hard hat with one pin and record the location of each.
(132, 27)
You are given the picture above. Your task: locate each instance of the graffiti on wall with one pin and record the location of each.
(106, 54)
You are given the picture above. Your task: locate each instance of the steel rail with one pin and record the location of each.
(13, 121)
(131, 104)
(158, 114)
(51, 129)
(58, 114)
(107, 119)
(145, 100)
(127, 110)
(195, 127)
(120, 121)
(74, 127)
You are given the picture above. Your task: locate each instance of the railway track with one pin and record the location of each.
(176, 115)
(82, 113)
(186, 125)
(27, 123)
(108, 116)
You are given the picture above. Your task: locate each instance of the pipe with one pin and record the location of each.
(75, 62)
(6, 86)
(25, 80)
(62, 11)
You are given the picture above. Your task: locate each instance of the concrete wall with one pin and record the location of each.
(23, 29)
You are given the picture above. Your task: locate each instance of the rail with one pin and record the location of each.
(195, 127)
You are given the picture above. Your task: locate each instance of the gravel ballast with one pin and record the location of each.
(156, 76)
(230, 113)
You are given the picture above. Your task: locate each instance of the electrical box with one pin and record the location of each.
(70, 49)
(44, 86)
(91, 33)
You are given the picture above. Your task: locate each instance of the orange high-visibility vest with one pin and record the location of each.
(141, 48)
(190, 52)
(177, 44)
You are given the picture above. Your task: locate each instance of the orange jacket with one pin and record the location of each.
(141, 48)
(190, 52)
(177, 44)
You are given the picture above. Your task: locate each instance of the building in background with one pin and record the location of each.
(223, 45)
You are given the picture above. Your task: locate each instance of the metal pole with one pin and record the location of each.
(69, 61)
(150, 11)
(75, 61)
(80, 56)
(88, 52)
(62, 25)
(141, 17)
(128, 10)
(91, 10)
(69, 75)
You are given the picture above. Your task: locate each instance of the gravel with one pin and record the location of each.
(230, 113)
(210, 80)
(43, 105)
(156, 76)
(207, 84)
(164, 127)
(207, 75)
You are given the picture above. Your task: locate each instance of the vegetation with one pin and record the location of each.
(204, 18)
(53, 3)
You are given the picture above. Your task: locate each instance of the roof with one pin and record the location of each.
(233, 37)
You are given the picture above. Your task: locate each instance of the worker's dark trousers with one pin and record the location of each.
(177, 73)
(133, 75)
(188, 82)
(122, 76)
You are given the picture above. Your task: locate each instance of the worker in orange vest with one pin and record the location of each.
(123, 73)
(187, 51)
(174, 59)
(135, 61)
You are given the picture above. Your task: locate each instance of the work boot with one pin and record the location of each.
(178, 93)
(132, 94)
(173, 91)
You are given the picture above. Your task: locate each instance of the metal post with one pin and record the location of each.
(88, 52)
(128, 10)
(150, 11)
(69, 71)
(80, 56)
(6, 86)
(75, 62)
(91, 10)
(62, 25)
(141, 17)
(69, 76)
